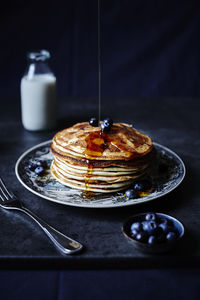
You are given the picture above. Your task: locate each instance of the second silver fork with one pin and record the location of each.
(64, 244)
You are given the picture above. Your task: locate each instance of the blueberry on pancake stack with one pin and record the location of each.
(105, 158)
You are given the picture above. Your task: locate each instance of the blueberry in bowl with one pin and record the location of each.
(153, 232)
(150, 217)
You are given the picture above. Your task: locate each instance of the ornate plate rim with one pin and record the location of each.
(89, 205)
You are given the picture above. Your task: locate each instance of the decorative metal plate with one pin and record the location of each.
(166, 174)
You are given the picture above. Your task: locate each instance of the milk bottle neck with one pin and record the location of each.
(38, 64)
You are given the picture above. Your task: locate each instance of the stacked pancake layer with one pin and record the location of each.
(88, 159)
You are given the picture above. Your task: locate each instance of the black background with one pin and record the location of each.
(149, 48)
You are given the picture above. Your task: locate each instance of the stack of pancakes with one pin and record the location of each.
(91, 160)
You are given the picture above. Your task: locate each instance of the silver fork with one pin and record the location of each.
(63, 243)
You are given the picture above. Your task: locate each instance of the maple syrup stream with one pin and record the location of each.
(91, 145)
(98, 141)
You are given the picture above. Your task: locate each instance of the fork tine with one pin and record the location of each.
(4, 191)
(2, 198)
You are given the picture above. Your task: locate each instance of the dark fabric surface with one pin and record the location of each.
(149, 48)
(100, 230)
(90, 285)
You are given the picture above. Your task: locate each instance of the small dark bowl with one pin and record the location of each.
(156, 248)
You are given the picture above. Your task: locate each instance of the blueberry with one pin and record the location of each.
(134, 232)
(108, 122)
(143, 185)
(145, 225)
(131, 194)
(150, 227)
(93, 122)
(171, 236)
(150, 217)
(106, 125)
(159, 231)
(136, 226)
(104, 128)
(31, 166)
(166, 221)
(39, 170)
(165, 227)
(41, 163)
(152, 240)
(141, 236)
(138, 186)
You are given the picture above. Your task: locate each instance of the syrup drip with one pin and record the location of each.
(96, 144)
(88, 193)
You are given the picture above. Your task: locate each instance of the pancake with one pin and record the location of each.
(101, 187)
(110, 170)
(92, 175)
(91, 160)
(84, 141)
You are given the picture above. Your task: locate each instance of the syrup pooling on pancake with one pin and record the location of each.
(98, 142)
(89, 159)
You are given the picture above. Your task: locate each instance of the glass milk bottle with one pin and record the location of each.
(38, 93)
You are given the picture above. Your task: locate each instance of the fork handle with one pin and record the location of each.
(64, 244)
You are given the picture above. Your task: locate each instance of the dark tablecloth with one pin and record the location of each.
(135, 284)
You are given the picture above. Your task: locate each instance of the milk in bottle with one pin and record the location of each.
(38, 93)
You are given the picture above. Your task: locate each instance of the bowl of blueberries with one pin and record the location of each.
(153, 232)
